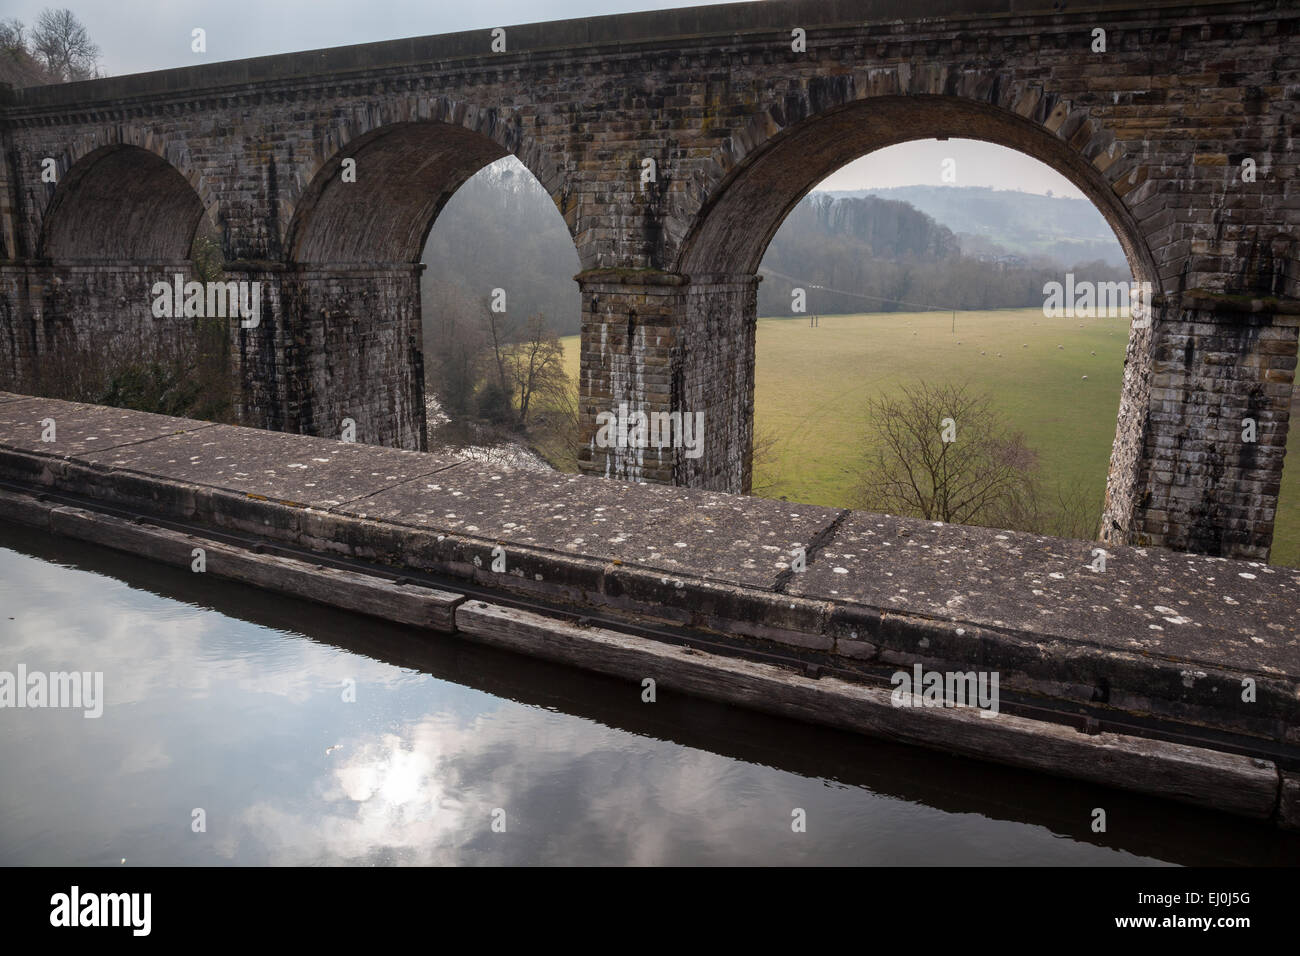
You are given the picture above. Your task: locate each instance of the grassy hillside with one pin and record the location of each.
(812, 384)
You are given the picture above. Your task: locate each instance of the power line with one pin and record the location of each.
(861, 295)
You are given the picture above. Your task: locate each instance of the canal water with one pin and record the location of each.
(240, 727)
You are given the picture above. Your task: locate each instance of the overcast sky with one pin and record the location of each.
(136, 36)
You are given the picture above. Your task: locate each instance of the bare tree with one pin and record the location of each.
(1077, 514)
(764, 459)
(1067, 512)
(943, 453)
(62, 42)
(534, 365)
(455, 344)
(553, 431)
(500, 333)
(18, 66)
(12, 38)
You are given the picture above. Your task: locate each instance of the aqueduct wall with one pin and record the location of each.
(1157, 130)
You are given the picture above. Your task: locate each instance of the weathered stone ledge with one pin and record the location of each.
(616, 277)
(1220, 302)
(531, 41)
(1232, 783)
(1158, 635)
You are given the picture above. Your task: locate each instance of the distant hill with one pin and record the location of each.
(501, 229)
(1009, 221)
(865, 253)
(885, 228)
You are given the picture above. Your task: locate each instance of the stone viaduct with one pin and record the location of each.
(1182, 131)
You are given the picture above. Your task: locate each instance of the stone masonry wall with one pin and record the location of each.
(1156, 130)
(631, 334)
(352, 349)
(657, 345)
(1205, 488)
(1160, 122)
(717, 378)
(61, 324)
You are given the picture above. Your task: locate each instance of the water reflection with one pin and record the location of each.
(236, 702)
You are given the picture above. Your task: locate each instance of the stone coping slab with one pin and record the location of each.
(958, 586)
(82, 430)
(731, 538)
(297, 469)
(1149, 601)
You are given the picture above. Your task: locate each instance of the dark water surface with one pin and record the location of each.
(230, 699)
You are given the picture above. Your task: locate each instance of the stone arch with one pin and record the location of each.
(121, 201)
(407, 166)
(354, 252)
(763, 171)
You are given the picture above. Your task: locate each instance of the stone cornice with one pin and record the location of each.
(454, 61)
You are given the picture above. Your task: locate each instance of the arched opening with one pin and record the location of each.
(121, 203)
(122, 223)
(375, 200)
(361, 288)
(733, 231)
(727, 246)
(502, 384)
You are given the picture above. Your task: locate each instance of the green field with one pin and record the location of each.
(812, 385)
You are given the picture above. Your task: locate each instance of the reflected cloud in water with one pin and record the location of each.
(249, 723)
